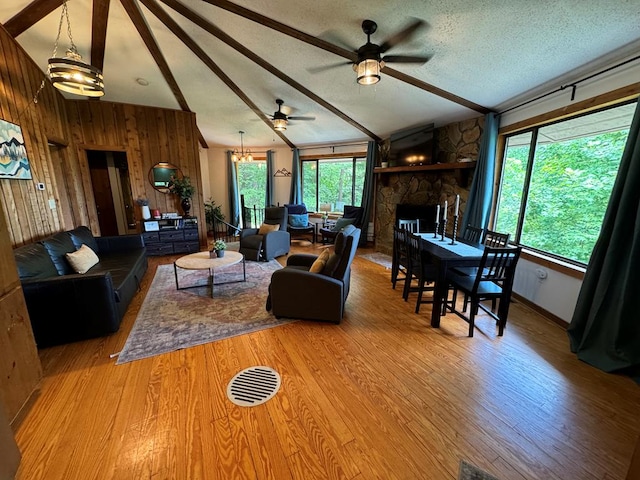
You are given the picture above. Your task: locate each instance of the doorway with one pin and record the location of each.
(109, 172)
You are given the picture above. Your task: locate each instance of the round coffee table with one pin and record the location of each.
(203, 261)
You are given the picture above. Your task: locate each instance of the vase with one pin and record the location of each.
(186, 206)
(220, 253)
(146, 213)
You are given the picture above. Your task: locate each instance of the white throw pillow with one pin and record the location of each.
(82, 259)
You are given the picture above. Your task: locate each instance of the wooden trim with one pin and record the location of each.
(610, 98)
(99, 19)
(333, 155)
(421, 168)
(58, 141)
(30, 15)
(538, 309)
(138, 20)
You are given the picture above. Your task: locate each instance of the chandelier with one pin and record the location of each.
(242, 157)
(69, 73)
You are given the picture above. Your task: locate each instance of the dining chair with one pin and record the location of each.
(421, 270)
(409, 224)
(492, 281)
(399, 258)
(472, 234)
(495, 239)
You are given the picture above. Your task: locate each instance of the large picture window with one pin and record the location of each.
(252, 182)
(557, 180)
(330, 184)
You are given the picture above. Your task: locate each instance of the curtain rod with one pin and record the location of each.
(334, 146)
(572, 85)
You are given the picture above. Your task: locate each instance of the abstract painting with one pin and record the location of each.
(13, 154)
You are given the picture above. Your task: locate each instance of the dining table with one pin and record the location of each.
(446, 255)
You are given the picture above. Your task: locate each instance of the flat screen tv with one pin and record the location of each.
(415, 146)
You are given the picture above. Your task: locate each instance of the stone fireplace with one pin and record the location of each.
(456, 141)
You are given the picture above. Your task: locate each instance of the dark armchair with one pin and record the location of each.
(352, 216)
(298, 221)
(267, 245)
(299, 291)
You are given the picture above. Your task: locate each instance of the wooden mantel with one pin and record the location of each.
(421, 168)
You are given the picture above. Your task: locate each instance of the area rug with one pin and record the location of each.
(171, 319)
(379, 258)
(470, 472)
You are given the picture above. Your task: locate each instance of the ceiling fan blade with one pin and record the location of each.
(324, 68)
(402, 35)
(404, 59)
(301, 118)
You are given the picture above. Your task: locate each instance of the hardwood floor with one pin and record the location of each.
(382, 395)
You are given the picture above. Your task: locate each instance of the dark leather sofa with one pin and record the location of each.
(295, 292)
(65, 306)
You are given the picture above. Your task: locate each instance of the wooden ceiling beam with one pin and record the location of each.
(329, 47)
(30, 15)
(215, 31)
(281, 27)
(99, 18)
(149, 40)
(204, 58)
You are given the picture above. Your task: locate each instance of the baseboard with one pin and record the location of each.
(538, 309)
(26, 407)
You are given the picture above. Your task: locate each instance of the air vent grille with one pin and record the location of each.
(253, 386)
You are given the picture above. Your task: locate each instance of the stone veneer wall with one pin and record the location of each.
(455, 141)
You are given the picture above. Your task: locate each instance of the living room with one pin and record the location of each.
(316, 432)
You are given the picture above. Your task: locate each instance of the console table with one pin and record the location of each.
(171, 235)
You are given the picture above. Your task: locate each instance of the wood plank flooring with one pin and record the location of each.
(382, 395)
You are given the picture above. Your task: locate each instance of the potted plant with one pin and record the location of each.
(144, 205)
(219, 246)
(183, 188)
(212, 212)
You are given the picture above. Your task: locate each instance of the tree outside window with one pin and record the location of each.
(335, 182)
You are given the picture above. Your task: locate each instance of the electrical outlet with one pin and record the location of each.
(40, 186)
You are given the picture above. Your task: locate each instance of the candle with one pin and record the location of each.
(444, 211)
(457, 204)
(437, 213)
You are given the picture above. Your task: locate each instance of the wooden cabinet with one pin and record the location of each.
(168, 236)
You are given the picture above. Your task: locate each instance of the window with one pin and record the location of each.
(334, 183)
(252, 182)
(557, 179)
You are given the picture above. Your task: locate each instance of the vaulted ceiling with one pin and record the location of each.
(229, 62)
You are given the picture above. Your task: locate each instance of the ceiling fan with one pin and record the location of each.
(280, 119)
(370, 60)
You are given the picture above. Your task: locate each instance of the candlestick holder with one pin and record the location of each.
(444, 228)
(435, 233)
(455, 229)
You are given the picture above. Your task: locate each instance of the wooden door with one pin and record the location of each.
(102, 193)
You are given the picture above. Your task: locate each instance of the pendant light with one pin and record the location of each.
(69, 73)
(242, 157)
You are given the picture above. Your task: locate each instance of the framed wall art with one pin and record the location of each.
(14, 162)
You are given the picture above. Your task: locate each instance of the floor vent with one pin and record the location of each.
(253, 386)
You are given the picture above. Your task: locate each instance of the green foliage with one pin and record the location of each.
(181, 187)
(336, 184)
(212, 212)
(252, 183)
(571, 183)
(219, 245)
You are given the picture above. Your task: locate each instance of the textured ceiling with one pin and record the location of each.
(485, 51)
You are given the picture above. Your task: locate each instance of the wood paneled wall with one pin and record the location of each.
(57, 134)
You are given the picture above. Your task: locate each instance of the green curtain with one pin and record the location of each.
(368, 190)
(295, 196)
(234, 197)
(268, 201)
(478, 209)
(605, 328)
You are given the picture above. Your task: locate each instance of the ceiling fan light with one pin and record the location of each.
(279, 124)
(368, 71)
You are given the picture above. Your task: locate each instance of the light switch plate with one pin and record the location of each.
(52, 203)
